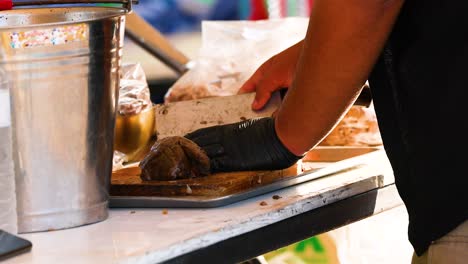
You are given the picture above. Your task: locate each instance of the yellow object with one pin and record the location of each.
(320, 249)
(133, 132)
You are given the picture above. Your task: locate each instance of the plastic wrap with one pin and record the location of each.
(231, 51)
(8, 214)
(134, 94)
(134, 99)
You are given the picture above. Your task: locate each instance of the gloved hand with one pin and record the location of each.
(247, 145)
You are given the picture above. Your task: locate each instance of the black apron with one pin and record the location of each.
(420, 91)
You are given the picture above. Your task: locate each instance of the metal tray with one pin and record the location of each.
(322, 162)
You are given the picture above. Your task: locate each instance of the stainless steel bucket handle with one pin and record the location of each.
(127, 4)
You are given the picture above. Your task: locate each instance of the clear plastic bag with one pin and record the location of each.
(134, 98)
(134, 94)
(231, 52)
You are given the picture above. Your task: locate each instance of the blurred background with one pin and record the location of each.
(179, 16)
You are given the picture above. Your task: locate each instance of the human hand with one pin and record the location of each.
(275, 74)
(247, 145)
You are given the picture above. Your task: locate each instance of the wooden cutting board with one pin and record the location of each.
(127, 182)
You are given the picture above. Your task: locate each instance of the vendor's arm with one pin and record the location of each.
(343, 42)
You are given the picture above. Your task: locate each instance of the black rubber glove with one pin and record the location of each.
(247, 145)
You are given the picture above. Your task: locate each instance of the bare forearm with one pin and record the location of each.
(342, 44)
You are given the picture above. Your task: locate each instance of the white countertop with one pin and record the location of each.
(155, 235)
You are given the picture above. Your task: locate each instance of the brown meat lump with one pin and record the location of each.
(174, 158)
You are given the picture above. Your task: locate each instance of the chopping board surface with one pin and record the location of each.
(127, 182)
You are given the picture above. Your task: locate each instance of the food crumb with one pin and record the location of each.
(242, 118)
(189, 190)
(203, 122)
(277, 197)
(263, 203)
(165, 212)
(132, 212)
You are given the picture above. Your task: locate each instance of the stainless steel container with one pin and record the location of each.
(60, 67)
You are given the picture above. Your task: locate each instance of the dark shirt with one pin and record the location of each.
(420, 91)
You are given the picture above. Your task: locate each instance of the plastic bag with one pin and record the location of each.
(134, 98)
(231, 52)
(134, 94)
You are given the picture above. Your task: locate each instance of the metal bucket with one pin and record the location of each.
(61, 67)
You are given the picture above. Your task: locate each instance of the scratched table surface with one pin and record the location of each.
(159, 235)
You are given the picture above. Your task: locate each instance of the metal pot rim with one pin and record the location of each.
(56, 16)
